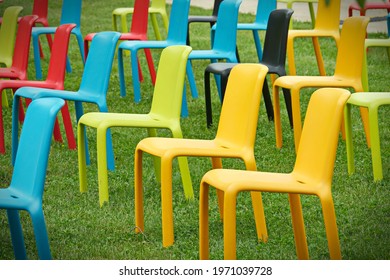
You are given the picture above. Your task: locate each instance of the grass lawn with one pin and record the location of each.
(79, 229)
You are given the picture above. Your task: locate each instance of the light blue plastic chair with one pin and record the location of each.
(28, 179)
(223, 41)
(93, 87)
(70, 13)
(177, 34)
(264, 8)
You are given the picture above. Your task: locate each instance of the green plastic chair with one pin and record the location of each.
(157, 7)
(28, 179)
(372, 101)
(309, 3)
(164, 113)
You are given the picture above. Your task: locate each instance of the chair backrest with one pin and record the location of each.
(328, 15)
(40, 8)
(216, 7)
(59, 52)
(22, 46)
(158, 4)
(226, 27)
(240, 108)
(350, 54)
(168, 90)
(178, 22)
(97, 69)
(34, 146)
(139, 21)
(264, 8)
(318, 144)
(8, 33)
(71, 12)
(275, 42)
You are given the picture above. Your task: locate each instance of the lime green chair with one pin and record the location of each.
(372, 101)
(312, 175)
(310, 5)
(157, 7)
(164, 114)
(235, 138)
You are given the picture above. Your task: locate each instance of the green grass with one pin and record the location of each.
(79, 229)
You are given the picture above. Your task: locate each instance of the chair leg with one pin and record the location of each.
(101, 140)
(16, 234)
(320, 60)
(121, 73)
(41, 237)
(156, 28)
(298, 226)
(2, 142)
(375, 144)
(348, 138)
(81, 153)
(229, 226)
(166, 202)
(277, 121)
(207, 92)
(68, 126)
(287, 99)
(268, 101)
(138, 191)
(204, 221)
(259, 49)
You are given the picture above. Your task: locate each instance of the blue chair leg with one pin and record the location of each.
(184, 107)
(79, 113)
(37, 57)
(135, 76)
(191, 80)
(41, 237)
(121, 73)
(259, 50)
(16, 234)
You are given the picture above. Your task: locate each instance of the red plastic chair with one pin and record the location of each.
(369, 6)
(138, 32)
(55, 80)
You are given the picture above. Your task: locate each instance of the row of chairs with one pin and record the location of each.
(259, 83)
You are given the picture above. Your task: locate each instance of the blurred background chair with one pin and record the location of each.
(326, 25)
(177, 34)
(310, 3)
(157, 7)
(274, 57)
(70, 13)
(55, 80)
(223, 41)
(347, 74)
(26, 189)
(384, 5)
(164, 114)
(312, 175)
(372, 101)
(235, 138)
(93, 87)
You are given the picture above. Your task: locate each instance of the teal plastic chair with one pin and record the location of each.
(177, 34)
(223, 41)
(8, 34)
(28, 179)
(70, 13)
(164, 114)
(264, 8)
(372, 101)
(93, 87)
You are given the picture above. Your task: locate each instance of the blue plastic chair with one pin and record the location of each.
(28, 179)
(223, 40)
(70, 13)
(177, 34)
(93, 87)
(264, 8)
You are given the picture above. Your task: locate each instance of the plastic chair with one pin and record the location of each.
(310, 5)
(93, 87)
(212, 19)
(157, 7)
(177, 34)
(223, 40)
(55, 80)
(312, 175)
(274, 57)
(138, 31)
(26, 189)
(234, 139)
(372, 101)
(348, 74)
(326, 25)
(384, 5)
(18, 69)
(70, 13)
(164, 113)
(8, 34)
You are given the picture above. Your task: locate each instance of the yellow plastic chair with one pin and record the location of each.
(372, 101)
(310, 3)
(164, 113)
(312, 175)
(326, 25)
(348, 74)
(235, 139)
(157, 7)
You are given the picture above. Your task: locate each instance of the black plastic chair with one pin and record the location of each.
(210, 19)
(274, 57)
